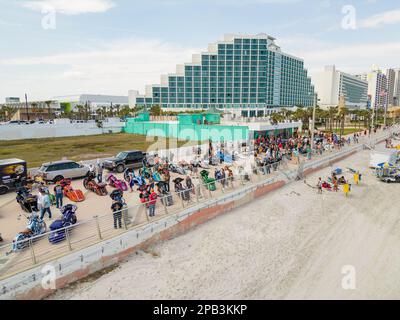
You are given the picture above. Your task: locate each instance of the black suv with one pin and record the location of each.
(123, 160)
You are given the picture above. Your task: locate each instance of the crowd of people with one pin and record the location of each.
(154, 182)
(271, 149)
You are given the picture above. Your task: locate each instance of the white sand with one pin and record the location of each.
(291, 244)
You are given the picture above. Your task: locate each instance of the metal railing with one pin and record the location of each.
(38, 249)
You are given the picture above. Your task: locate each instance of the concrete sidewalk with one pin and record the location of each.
(6, 199)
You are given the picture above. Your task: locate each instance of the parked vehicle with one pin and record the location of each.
(59, 170)
(145, 173)
(57, 228)
(182, 191)
(177, 169)
(118, 195)
(116, 183)
(26, 200)
(166, 196)
(395, 178)
(10, 171)
(123, 160)
(71, 193)
(90, 184)
(34, 228)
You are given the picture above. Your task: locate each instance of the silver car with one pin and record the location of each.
(56, 171)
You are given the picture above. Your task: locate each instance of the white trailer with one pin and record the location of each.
(386, 156)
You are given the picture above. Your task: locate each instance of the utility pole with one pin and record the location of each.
(26, 106)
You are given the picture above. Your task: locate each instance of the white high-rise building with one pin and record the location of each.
(331, 84)
(377, 88)
(396, 93)
(390, 77)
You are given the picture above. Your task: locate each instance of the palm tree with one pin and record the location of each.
(80, 109)
(276, 117)
(342, 117)
(48, 104)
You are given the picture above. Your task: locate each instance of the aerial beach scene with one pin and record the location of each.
(146, 158)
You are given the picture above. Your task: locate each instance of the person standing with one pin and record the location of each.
(151, 205)
(308, 150)
(58, 191)
(167, 179)
(99, 172)
(44, 204)
(319, 186)
(116, 208)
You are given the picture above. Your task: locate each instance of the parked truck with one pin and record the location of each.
(12, 171)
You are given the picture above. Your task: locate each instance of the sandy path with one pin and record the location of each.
(291, 244)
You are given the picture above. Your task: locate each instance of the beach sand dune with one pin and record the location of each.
(291, 244)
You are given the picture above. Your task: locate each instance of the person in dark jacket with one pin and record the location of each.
(116, 208)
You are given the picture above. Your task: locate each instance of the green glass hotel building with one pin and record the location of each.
(247, 75)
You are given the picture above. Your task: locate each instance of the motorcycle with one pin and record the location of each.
(26, 200)
(165, 195)
(183, 192)
(145, 173)
(57, 228)
(177, 169)
(116, 183)
(90, 184)
(70, 193)
(34, 228)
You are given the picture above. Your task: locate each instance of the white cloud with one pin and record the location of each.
(388, 17)
(354, 58)
(115, 68)
(112, 68)
(70, 7)
(229, 3)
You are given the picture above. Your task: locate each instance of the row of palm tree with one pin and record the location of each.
(329, 119)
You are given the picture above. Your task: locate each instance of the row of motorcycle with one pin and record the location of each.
(36, 227)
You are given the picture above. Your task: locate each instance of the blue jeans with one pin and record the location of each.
(59, 200)
(152, 209)
(43, 212)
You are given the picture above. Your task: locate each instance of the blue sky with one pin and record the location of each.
(111, 46)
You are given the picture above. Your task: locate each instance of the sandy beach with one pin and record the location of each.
(291, 244)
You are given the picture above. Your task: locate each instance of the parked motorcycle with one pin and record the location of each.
(57, 228)
(71, 193)
(26, 200)
(177, 169)
(116, 183)
(90, 184)
(34, 228)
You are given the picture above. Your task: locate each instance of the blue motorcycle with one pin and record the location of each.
(34, 228)
(58, 227)
(139, 181)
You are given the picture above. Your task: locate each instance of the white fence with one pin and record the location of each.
(37, 131)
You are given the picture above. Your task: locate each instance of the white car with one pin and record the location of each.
(56, 171)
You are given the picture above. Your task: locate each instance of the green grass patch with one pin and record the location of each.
(38, 151)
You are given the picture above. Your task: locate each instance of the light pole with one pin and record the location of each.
(313, 121)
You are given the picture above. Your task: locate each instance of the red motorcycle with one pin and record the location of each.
(90, 184)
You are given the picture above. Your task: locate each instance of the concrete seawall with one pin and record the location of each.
(82, 263)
